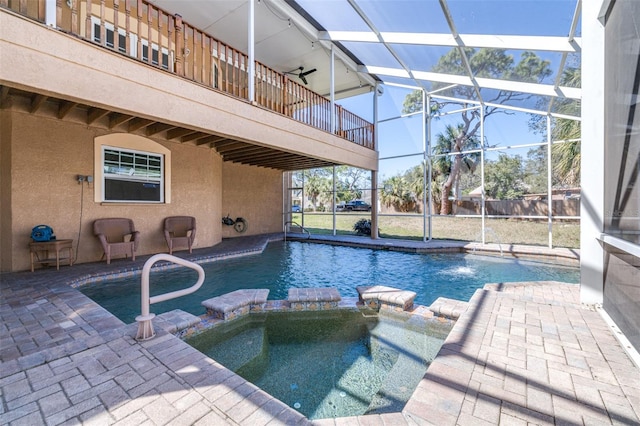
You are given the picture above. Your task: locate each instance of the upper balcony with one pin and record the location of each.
(141, 31)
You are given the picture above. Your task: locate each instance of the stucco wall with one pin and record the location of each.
(46, 156)
(168, 99)
(254, 193)
(5, 190)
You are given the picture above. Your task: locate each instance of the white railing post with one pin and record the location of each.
(145, 326)
(50, 8)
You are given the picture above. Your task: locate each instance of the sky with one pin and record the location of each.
(500, 17)
(404, 136)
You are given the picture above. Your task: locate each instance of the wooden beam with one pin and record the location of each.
(65, 108)
(138, 123)
(37, 102)
(259, 157)
(4, 95)
(210, 139)
(179, 132)
(247, 150)
(193, 136)
(297, 165)
(117, 119)
(94, 114)
(229, 145)
(156, 128)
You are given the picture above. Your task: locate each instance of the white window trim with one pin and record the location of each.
(130, 142)
(106, 175)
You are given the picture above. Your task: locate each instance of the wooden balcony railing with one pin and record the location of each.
(153, 36)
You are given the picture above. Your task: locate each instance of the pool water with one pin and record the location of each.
(331, 363)
(284, 265)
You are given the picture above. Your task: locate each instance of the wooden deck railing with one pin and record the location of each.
(153, 36)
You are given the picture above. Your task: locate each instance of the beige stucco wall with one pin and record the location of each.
(5, 190)
(41, 157)
(255, 194)
(46, 156)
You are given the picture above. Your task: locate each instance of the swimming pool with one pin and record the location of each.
(328, 364)
(297, 264)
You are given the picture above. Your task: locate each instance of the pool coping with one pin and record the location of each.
(454, 391)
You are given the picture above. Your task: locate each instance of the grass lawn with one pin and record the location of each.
(505, 231)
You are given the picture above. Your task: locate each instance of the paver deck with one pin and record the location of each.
(525, 353)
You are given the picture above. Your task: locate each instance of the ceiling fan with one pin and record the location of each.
(301, 73)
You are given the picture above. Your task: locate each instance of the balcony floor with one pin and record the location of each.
(520, 353)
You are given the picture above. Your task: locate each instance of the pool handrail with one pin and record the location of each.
(291, 222)
(145, 327)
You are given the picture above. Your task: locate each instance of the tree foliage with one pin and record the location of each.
(395, 192)
(565, 156)
(318, 185)
(503, 178)
(535, 170)
(488, 63)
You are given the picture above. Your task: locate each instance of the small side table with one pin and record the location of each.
(42, 252)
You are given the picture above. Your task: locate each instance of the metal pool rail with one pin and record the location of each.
(145, 327)
(302, 228)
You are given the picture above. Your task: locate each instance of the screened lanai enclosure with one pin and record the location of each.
(477, 115)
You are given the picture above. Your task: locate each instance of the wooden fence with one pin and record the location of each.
(569, 207)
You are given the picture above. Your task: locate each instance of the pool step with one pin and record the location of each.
(313, 299)
(415, 350)
(448, 308)
(236, 303)
(382, 297)
(175, 321)
(244, 350)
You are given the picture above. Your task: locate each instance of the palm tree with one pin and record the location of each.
(566, 155)
(316, 184)
(395, 192)
(451, 161)
(415, 179)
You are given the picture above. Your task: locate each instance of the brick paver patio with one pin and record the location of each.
(521, 353)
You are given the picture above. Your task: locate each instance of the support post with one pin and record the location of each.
(50, 14)
(484, 195)
(252, 61)
(374, 205)
(332, 89)
(592, 154)
(549, 185)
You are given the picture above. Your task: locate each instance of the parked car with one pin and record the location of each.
(357, 205)
(296, 209)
